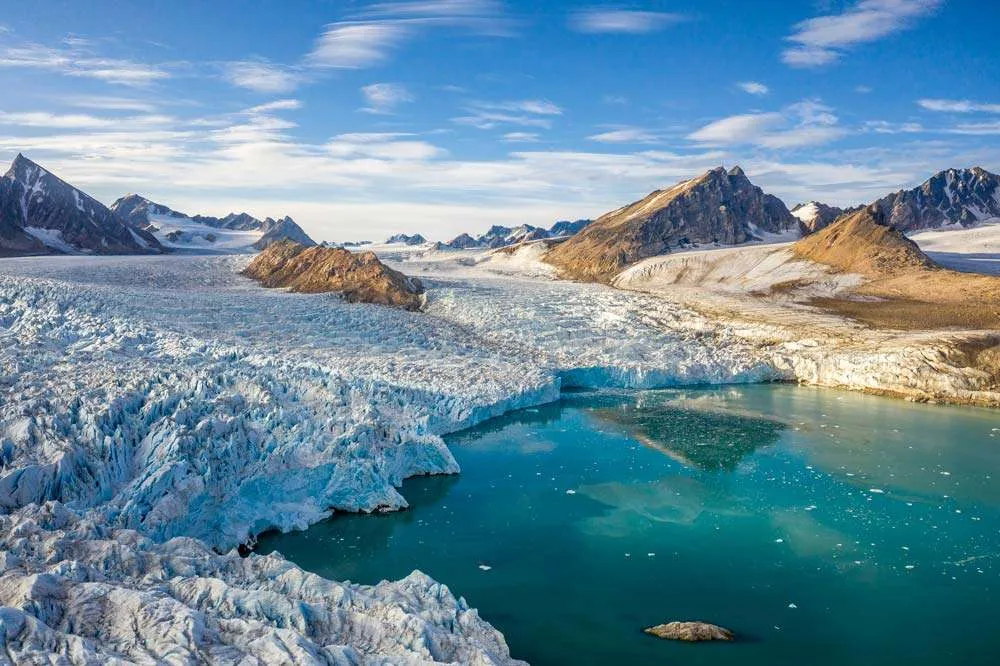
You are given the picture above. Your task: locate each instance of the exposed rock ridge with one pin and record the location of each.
(360, 277)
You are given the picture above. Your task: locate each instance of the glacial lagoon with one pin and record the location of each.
(822, 527)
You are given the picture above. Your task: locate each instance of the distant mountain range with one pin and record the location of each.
(721, 207)
(42, 214)
(497, 236)
(236, 231)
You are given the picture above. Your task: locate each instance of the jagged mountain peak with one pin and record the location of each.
(719, 206)
(40, 212)
(952, 196)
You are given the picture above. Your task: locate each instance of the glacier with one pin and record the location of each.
(158, 412)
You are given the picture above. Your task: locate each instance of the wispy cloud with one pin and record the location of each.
(276, 105)
(355, 45)
(976, 129)
(823, 39)
(805, 123)
(384, 98)
(110, 103)
(369, 37)
(622, 21)
(261, 76)
(886, 127)
(754, 88)
(625, 135)
(527, 113)
(521, 137)
(75, 61)
(79, 120)
(957, 106)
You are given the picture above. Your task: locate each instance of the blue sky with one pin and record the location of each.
(364, 118)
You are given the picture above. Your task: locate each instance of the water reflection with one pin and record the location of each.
(700, 438)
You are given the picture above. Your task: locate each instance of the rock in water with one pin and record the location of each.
(692, 632)
(360, 277)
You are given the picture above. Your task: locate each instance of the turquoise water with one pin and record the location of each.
(822, 527)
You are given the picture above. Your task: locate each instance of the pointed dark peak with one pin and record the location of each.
(737, 172)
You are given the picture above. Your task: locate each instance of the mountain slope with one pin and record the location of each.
(41, 213)
(954, 196)
(716, 207)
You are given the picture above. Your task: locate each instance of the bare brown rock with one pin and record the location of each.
(863, 243)
(716, 207)
(359, 277)
(692, 632)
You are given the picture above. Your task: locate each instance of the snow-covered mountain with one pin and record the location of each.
(717, 207)
(813, 215)
(236, 232)
(41, 214)
(955, 196)
(415, 239)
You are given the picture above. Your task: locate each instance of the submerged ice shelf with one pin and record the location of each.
(156, 399)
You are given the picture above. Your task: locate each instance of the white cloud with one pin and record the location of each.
(521, 137)
(77, 120)
(624, 21)
(625, 135)
(527, 113)
(886, 127)
(74, 61)
(383, 98)
(806, 123)
(109, 103)
(276, 105)
(863, 90)
(355, 45)
(261, 76)
(977, 129)
(823, 39)
(754, 88)
(615, 99)
(957, 106)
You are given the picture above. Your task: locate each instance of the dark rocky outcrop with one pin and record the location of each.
(40, 213)
(716, 207)
(692, 632)
(359, 277)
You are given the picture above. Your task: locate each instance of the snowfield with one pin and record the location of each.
(157, 412)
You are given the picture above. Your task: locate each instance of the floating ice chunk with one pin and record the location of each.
(877, 491)
(779, 541)
(485, 567)
(792, 606)
(571, 492)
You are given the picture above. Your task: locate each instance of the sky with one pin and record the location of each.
(361, 119)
